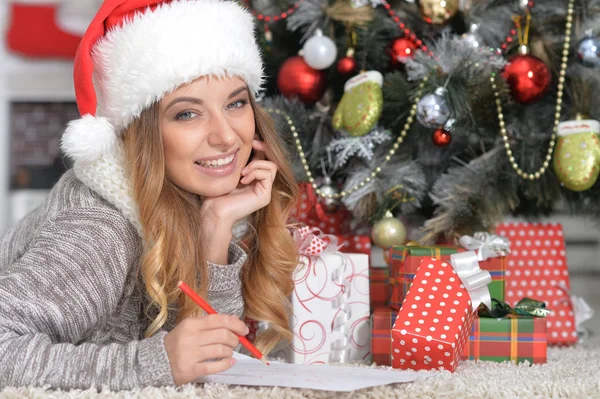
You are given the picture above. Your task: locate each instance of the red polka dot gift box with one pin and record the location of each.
(354, 244)
(406, 259)
(537, 268)
(309, 211)
(436, 316)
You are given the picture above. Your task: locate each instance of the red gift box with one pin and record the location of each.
(537, 268)
(382, 322)
(308, 211)
(433, 324)
(253, 327)
(405, 261)
(355, 244)
(379, 287)
(515, 339)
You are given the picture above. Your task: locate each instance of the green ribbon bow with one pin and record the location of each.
(526, 307)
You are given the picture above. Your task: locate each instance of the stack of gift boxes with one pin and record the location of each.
(420, 311)
(442, 318)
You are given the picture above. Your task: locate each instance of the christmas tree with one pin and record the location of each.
(447, 114)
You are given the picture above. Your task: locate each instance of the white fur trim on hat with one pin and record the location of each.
(157, 51)
(88, 138)
(369, 76)
(567, 128)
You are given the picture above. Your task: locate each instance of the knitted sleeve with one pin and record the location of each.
(225, 287)
(72, 278)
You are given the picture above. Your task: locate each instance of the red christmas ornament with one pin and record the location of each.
(296, 78)
(402, 50)
(528, 78)
(346, 65)
(441, 137)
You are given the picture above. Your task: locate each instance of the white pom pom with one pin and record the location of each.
(88, 138)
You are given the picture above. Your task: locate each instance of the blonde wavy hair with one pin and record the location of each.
(172, 239)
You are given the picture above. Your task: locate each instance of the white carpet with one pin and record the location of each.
(569, 373)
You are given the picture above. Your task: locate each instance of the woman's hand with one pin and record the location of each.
(252, 194)
(198, 339)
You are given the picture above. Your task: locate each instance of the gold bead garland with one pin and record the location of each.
(375, 172)
(559, 96)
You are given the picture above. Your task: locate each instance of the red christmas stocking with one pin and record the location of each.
(34, 31)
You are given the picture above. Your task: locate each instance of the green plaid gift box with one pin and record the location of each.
(405, 260)
(516, 339)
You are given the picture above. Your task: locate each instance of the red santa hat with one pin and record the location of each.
(136, 51)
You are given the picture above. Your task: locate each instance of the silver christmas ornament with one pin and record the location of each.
(319, 51)
(588, 51)
(327, 188)
(433, 110)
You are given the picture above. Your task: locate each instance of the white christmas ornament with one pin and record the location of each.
(319, 51)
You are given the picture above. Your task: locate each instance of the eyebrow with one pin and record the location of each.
(195, 100)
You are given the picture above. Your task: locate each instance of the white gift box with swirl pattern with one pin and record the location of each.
(330, 320)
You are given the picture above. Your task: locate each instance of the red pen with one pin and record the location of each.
(208, 309)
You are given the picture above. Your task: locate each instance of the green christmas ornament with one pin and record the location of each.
(360, 108)
(577, 154)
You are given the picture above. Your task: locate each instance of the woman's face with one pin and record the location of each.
(207, 130)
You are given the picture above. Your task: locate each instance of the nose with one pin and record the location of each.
(221, 132)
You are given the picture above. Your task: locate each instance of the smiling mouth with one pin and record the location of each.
(215, 163)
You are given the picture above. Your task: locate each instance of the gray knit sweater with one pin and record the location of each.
(72, 300)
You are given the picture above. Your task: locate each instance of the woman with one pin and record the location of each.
(170, 153)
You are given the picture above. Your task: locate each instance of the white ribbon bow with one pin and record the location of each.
(582, 311)
(473, 278)
(487, 245)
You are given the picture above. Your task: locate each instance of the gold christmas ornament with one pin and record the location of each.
(577, 155)
(413, 244)
(388, 232)
(438, 11)
(344, 11)
(361, 105)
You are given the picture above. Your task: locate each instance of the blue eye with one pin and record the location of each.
(185, 116)
(237, 104)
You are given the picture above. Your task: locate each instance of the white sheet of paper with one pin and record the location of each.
(250, 371)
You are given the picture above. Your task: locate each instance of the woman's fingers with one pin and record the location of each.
(260, 165)
(217, 321)
(258, 174)
(214, 351)
(220, 336)
(207, 368)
